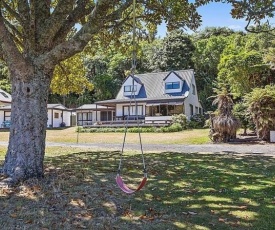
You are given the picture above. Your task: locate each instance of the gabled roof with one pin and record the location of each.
(5, 97)
(137, 80)
(153, 85)
(152, 89)
(173, 72)
(49, 106)
(56, 106)
(91, 107)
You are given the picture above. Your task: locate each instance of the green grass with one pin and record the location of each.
(184, 191)
(69, 135)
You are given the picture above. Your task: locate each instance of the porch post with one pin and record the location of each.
(107, 113)
(52, 118)
(96, 112)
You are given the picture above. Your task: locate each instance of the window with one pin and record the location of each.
(56, 115)
(191, 110)
(193, 89)
(152, 110)
(5, 95)
(79, 116)
(175, 109)
(164, 110)
(172, 85)
(129, 88)
(133, 110)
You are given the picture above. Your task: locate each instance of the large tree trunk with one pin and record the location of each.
(25, 155)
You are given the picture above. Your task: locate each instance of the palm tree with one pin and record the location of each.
(223, 124)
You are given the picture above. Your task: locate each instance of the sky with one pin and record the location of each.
(214, 15)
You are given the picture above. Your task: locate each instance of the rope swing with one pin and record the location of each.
(119, 179)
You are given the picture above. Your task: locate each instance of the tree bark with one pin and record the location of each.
(25, 154)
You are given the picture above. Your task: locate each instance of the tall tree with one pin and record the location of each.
(242, 64)
(206, 58)
(37, 35)
(178, 50)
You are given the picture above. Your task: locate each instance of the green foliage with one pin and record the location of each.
(206, 58)
(224, 124)
(180, 119)
(70, 77)
(260, 103)
(242, 65)
(174, 52)
(240, 111)
(178, 51)
(197, 121)
(210, 32)
(173, 128)
(5, 83)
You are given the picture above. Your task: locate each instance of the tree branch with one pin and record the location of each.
(96, 22)
(77, 14)
(55, 22)
(24, 11)
(9, 48)
(12, 12)
(41, 13)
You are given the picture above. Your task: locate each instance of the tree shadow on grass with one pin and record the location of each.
(184, 191)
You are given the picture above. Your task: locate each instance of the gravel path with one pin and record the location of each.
(267, 149)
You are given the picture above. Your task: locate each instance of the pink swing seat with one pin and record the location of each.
(125, 188)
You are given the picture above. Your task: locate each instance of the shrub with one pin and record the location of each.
(180, 119)
(196, 121)
(260, 104)
(173, 128)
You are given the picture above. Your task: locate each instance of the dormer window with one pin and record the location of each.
(172, 85)
(130, 88)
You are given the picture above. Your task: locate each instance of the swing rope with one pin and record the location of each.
(119, 179)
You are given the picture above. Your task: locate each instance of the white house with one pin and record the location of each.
(89, 114)
(58, 115)
(5, 98)
(155, 97)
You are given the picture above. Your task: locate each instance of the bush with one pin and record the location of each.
(173, 128)
(180, 119)
(196, 121)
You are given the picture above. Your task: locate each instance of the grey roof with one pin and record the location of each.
(152, 89)
(56, 106)
(4, 96)
(91, 107)
(153, 85)
(49, 106)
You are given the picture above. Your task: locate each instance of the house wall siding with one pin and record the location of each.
(1, 117)
(192, 99)
(55, 122)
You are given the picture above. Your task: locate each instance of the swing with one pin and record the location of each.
(119, 179)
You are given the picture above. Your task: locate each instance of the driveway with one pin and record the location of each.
(267, 149)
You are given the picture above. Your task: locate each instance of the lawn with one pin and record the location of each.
(69, 135)
(184, 191)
